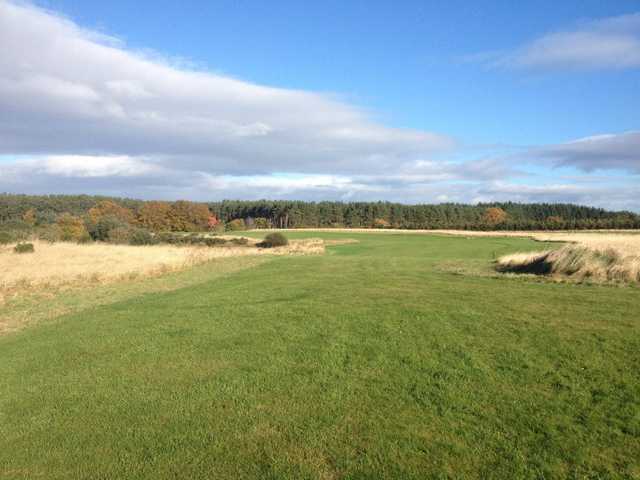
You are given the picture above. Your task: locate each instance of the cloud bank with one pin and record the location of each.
(65, 90)
(82, 113)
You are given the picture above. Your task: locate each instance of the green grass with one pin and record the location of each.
(368, 362)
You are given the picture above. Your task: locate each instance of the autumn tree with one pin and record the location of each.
(187, 216)
(109, 207)
(29, 217)
(72, 228)
(494, 216)
(212, 222)
(155, 216)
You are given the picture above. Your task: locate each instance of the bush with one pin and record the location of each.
(141, 236)
(71, 228)
(120, 235)
(170, 238)
(237, 224)
(85, 238)
(214, 242)
(240, 241)
(5, 237)
(24, 248)
(100, 230)
(50, 233)
(14, 231)
(274, 240)
(219, 228)
(261, 222)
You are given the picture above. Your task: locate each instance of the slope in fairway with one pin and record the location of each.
(367, 362)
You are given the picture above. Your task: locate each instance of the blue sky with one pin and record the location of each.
(406, 101)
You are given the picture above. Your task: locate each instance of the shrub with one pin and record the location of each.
(50, 233)
(100, 230)
(141, 236)
(71, 228)
(274, 240)
(240, 241)
(85, 238)
(15, 231)
(236, 224)
(214, 242)
(170, 238)
(120, 235)
(219, 228)
(261, 222)
(24, 248)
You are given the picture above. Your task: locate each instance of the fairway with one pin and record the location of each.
(371, 361)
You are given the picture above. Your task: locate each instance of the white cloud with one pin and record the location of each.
(610, 43)
(65, 90)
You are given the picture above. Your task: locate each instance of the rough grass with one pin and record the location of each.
(54, 265)
(603, 257)
(364, 363)
(575, 262)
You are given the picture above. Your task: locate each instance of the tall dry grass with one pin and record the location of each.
(599, 256)
(53, 265)
(579, 262)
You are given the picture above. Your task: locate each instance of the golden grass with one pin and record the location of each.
(599, 256)
(581, 262)
(54, 265)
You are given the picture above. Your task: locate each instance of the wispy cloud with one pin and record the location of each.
(610, 43)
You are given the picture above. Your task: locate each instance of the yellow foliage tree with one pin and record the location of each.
(29, 217)
(72, 228)
(108, 207)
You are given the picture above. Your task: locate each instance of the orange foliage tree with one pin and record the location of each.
(494, 216)
(155, 216)
(213, 222)
(187, 216)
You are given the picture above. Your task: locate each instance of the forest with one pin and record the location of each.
(18, 211)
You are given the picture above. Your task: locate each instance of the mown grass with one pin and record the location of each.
(367, 362)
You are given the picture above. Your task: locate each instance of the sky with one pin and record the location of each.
(406, 101)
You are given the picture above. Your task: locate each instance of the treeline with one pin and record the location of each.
(235, 215)
(503, 216)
